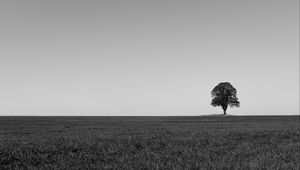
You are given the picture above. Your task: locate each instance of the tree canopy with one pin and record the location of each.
(224, 94)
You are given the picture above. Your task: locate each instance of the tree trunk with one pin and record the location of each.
(224, 109)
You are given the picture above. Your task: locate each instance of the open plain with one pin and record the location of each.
(196, 142)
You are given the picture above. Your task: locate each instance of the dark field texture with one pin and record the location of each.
(204, 142)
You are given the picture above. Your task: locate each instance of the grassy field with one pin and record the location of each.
(205, 142)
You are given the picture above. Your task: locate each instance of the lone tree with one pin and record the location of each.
(224, 94)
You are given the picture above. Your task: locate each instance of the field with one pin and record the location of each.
(204, 142)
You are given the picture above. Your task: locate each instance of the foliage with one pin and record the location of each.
(224, 94)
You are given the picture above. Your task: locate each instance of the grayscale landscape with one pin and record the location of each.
(149, 85)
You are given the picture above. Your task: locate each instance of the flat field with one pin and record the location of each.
(204, 142)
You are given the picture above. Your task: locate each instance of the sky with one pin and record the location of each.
(147, 58)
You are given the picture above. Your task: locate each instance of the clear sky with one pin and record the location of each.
(155, 57)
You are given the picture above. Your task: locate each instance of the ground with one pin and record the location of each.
(203, 142)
